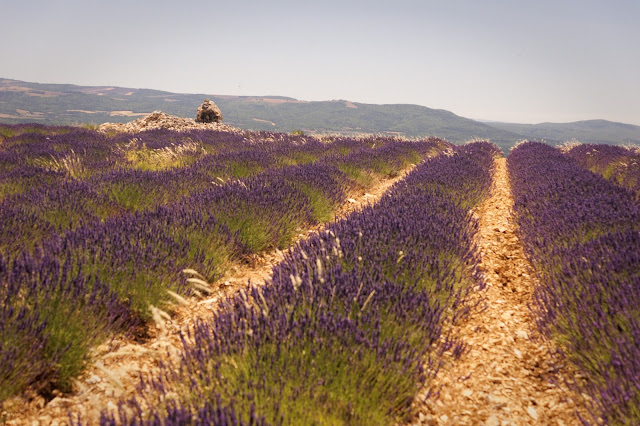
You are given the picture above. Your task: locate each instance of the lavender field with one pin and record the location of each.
(102, 235)
(96, 230)
(341, 333)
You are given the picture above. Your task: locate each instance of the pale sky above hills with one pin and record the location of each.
(505, 60)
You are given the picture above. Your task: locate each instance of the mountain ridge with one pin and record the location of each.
(74, 104)
(587, 131)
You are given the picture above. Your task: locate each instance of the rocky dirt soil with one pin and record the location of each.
(508, 375)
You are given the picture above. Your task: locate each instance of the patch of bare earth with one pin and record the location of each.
(83, 111)
(118, 365)
(127, 114)
(508, 375)
(24, 114)
(264, 121)
(277, 101)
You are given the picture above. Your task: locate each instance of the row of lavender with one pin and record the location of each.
(351, 325)
(65, 290)
(52, 182)
(583, 236)
(618, 164)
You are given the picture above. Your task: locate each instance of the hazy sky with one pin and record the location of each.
(507, 60)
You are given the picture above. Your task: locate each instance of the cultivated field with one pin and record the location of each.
(232, 277)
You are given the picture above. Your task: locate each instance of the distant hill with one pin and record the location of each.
(588, 131)
(70, 104)
(352, 117)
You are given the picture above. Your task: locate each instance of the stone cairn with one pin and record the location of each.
(208, 112)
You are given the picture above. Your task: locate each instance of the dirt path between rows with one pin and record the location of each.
(507, 376)
(116, 371)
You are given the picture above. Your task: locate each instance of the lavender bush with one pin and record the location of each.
(582, 234)
(618, 164)
(51, 316)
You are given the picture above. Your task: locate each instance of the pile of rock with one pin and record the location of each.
(161, 120)
(209, 113)
(209, 117)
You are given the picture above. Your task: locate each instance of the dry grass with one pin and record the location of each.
(71, 164)
(568, 145)
(175, 155)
